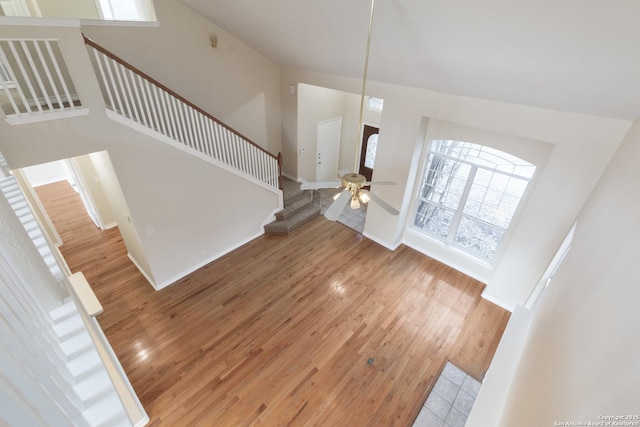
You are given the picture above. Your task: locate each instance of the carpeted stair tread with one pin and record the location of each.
(291, 190)
(299, 202)
(289, 224)
(299, 207)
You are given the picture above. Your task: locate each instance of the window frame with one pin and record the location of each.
(458, 212)
(375, 104)
(145, 8)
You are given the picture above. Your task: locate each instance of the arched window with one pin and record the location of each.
(468, 195)
(372, 147)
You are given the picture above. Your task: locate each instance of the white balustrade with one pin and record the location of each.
(34, 79)
(132, 95)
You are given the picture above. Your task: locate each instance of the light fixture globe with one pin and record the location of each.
(353, 181)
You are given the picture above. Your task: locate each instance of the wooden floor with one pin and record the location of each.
(281, 330)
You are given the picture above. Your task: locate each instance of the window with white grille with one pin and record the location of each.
(469, 194)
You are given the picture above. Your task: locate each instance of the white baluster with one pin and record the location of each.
(36, 74)
(12, 79)
(25, 77)
(151, 105)
(47, 72)
(122, 91)
(128, 95)
(201, 133)
(18, 83)
(111, 105)
(166, 118)
(56, 67)
(188, 117)
(133, 78)
(212, 140)
(177, 118)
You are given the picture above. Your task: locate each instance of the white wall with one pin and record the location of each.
(46, 173)
(581, 359)
(78, 9)
(234, 83)
(120, 212)
(316, 104)
(582, 146)
(92, 182)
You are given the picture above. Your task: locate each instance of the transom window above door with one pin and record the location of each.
(468, 195)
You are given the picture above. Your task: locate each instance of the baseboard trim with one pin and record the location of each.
(205, 262)
(110, 225)
(380, 242)
(497, 302)
(142, 270)
(448, 262)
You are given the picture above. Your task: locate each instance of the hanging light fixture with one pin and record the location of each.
(353, 181)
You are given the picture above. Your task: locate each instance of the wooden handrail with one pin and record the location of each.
(171, 92)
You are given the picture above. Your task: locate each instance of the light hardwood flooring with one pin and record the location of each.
(318, 327)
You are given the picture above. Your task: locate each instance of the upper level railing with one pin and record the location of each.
(34, 79)
(136, 96)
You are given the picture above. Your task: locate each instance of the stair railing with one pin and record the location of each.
(132, 94)
(34, 80)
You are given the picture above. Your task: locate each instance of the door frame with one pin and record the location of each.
(362, 148)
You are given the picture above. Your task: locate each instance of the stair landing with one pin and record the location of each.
(300, 206)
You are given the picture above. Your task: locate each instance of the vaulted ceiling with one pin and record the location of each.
(573, 55)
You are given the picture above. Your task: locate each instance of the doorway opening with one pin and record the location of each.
(86, 184)
(330, 143)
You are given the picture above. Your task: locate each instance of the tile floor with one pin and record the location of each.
(450, 400)
(352, 218)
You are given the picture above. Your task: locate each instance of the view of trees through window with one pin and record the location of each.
(469, 194)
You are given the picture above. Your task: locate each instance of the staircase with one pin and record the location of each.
(9, 186)
(100, 403)
(135, 99)
(299, 207)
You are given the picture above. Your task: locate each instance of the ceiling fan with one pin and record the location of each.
(353, 181)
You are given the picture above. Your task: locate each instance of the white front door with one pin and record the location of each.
(14, 8)
(328, 149)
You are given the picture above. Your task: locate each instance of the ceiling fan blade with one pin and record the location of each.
(306, 185)
(333, 212)
(384, 205)
(368, 183)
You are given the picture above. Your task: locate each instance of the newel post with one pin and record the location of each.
(280, 183)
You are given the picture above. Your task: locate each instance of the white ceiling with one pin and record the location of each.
(573, 55)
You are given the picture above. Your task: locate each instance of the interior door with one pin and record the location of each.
(328, 149)
(368, 151)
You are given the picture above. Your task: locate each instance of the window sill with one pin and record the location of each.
(458, 259)
(112, 23)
